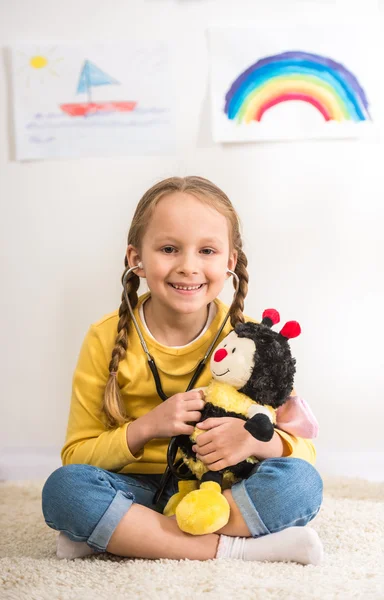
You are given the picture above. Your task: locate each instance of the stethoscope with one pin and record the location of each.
(172, 467)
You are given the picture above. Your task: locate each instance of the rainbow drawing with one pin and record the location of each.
(295, 75)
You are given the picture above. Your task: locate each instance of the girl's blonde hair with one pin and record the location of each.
(211, 195)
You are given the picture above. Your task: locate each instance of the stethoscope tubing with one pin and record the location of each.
(173, 445)
(151, 361)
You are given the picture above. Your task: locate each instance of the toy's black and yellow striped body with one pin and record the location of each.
(222, 400)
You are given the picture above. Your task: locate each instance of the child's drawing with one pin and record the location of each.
(321, 89)
(324, 83)
(92, 76)
(92, 100)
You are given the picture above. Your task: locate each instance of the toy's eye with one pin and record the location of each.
(225, 345)
(233, 350)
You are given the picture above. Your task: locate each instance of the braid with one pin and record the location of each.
(236, 314)
(112, 405)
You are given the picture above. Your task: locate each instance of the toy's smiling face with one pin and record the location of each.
(232, 361)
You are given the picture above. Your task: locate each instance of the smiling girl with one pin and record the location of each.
(184, 238)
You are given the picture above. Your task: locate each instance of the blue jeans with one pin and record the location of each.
(87, 502)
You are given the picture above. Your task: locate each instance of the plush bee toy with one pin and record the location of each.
(253, 372)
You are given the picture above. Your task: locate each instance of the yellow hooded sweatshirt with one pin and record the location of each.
(88, 439)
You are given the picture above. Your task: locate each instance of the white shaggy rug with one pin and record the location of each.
(350, 524)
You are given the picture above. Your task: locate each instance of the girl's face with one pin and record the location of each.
(185, 245)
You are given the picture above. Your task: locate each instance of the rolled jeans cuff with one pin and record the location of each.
(248, 510)
(103, 531)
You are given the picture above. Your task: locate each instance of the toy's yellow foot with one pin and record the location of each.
(203, 511)
(185, 486)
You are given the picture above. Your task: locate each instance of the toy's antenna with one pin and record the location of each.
(270, 317)
(290, 330)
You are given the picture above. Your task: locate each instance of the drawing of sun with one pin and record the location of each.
(38, 65)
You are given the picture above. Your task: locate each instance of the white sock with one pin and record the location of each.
(295, 544)
(66, 548)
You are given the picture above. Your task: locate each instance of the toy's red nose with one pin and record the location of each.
(220, 354)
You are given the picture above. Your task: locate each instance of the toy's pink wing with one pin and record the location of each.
(295, 417)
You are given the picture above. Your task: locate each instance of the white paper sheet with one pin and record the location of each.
(287, 82)
(101, 99)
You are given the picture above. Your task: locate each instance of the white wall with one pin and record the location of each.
(312, 215)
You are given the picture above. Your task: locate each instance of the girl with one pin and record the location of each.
(184, 238)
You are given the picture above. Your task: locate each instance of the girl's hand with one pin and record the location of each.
(175, 415)
(226, 442)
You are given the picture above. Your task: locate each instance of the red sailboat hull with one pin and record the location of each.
(79, 109)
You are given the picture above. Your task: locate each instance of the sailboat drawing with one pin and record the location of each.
(92, 76)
